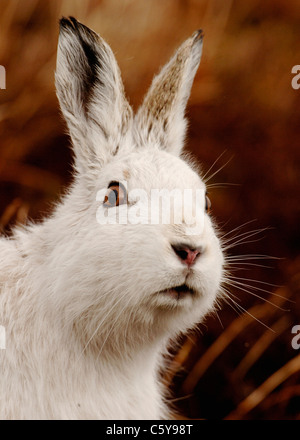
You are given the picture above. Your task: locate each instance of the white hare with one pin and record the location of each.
(89, 308)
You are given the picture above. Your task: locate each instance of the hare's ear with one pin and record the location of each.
(160, 119)
(91, 94)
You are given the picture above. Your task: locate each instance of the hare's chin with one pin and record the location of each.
(178, 292)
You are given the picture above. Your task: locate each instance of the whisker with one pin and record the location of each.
(241, 243)
(239, 263)
(221, 185)
(219, 319)
(233, 281)
(250, 314)
(251, 257)
(229, 294)
(244, 235)
(256, 281)
(239, 227)
(242, 239)
(211, 167)
(237, 284)
(216, 172)
(230, 301)
(260, 297)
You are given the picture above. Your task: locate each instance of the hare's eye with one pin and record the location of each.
(207, 204)
(115, 195)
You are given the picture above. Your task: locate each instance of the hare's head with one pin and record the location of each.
(138, 263)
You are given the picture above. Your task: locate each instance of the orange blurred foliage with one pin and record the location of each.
(245, 131)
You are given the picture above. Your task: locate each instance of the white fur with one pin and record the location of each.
(85, 327)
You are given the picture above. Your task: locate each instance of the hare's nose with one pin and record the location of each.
(186, 254)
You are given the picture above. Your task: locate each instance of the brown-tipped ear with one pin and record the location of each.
(91, 94)
(160, 119)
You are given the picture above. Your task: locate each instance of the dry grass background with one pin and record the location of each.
(243, 111)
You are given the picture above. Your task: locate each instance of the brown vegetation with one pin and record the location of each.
(244, 114)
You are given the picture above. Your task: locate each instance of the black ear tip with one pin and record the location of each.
(198, 35)
(74, 26)
(68, 23)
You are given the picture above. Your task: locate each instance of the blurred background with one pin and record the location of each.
(245, 131)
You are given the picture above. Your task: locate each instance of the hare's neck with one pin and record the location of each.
(62, 296)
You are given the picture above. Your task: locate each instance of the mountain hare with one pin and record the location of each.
(89, 304)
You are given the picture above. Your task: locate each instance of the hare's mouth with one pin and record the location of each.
(178, 292)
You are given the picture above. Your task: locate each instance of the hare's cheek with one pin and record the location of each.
(215, 269)
(209, 266)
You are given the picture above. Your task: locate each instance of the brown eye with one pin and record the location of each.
(207, 204)
(115, 195)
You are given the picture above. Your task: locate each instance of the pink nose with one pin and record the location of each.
(186, 254)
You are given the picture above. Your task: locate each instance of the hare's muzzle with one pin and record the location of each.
(179, 292)
(186, 254)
